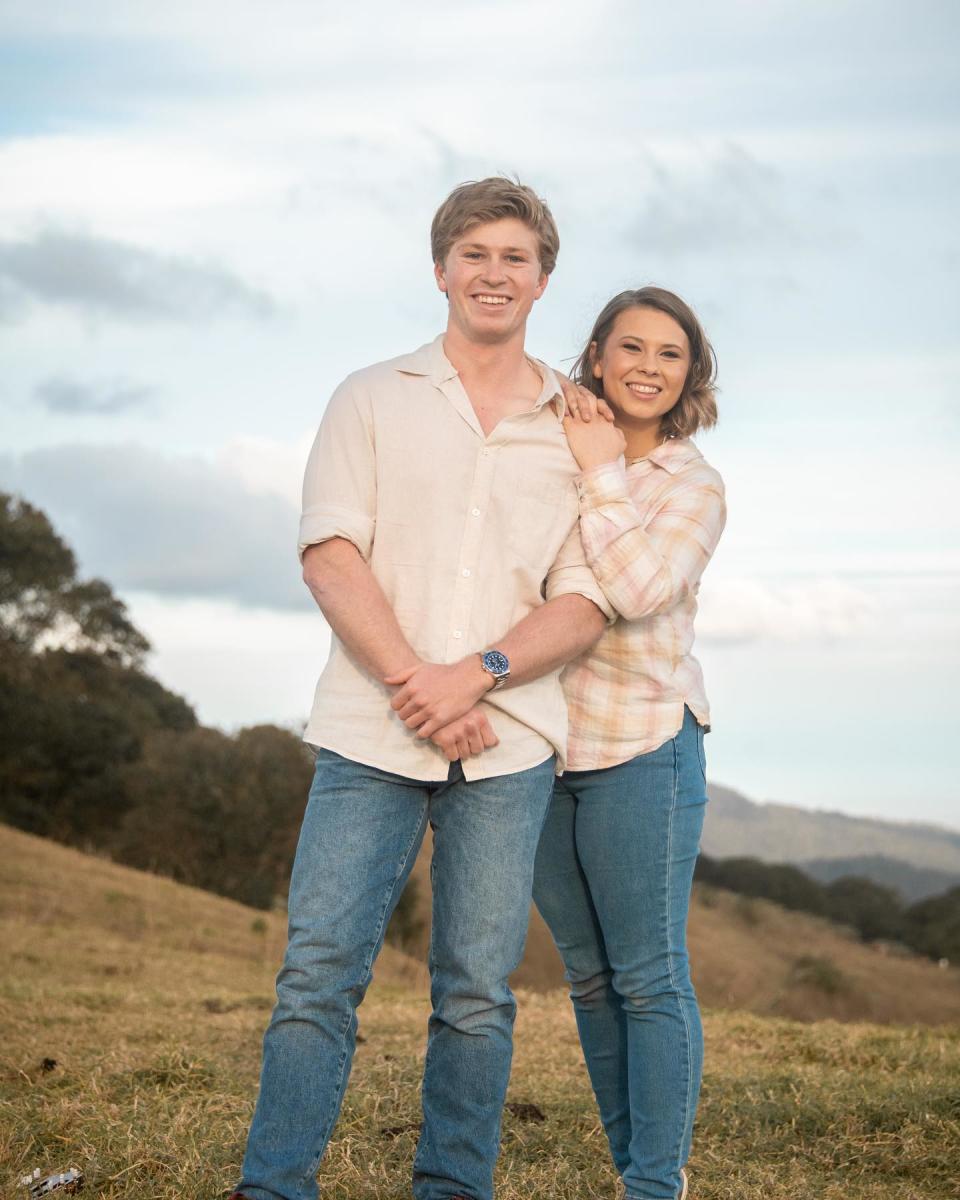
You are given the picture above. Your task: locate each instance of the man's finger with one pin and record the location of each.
(604, 409)
(488, 737)
(400, 676)
(400, 699)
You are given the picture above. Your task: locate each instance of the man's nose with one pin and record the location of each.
(494, 272)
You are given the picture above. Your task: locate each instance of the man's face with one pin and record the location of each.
(492, 277)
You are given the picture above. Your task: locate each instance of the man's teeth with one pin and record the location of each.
(493, 299)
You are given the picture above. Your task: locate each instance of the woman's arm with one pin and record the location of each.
(646, 562)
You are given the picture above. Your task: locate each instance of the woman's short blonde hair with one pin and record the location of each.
(697, 406)
(491, 200)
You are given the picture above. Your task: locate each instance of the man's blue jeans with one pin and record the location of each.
(613, 877)
(361, 833)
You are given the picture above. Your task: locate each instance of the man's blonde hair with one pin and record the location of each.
(493, 199)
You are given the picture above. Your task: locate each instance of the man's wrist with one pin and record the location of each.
(495, 664)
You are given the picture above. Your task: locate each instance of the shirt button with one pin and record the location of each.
(466, 572)
(475, 511)
(458, 633)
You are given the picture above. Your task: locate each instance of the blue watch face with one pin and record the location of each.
(496, 663)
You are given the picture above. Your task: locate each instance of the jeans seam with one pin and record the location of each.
(673, 979)
(363, 980)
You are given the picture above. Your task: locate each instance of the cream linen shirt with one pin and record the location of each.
(466, 535)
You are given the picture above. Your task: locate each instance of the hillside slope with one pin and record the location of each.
(133, 1008)
(752, 955)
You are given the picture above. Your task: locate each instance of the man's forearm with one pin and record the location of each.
(550, 636)
(355, 607)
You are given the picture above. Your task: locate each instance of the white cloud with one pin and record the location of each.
(738, 610)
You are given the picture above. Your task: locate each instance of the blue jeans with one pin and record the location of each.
(612, 880)
(361, 833)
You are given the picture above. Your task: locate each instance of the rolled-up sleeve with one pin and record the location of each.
(571, 575)
(340, 482)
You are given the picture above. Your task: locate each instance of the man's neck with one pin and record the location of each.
(501, 365)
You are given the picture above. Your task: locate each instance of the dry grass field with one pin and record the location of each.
(132, 1011)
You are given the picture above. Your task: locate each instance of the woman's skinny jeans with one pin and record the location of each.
(613, 875)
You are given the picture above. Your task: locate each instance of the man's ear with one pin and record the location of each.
(439, 276)
(541, 286)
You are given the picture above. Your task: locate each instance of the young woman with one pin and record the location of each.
(615, 863)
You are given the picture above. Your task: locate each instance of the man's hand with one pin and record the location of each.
(433, 695)
(472, 734)
(581, 402)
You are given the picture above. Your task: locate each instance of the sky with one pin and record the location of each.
(210, 214)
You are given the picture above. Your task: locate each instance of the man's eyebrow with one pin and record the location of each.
(505, 249)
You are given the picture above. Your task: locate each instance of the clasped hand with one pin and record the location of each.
(440, 702)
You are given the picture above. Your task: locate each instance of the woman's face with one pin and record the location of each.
(643, 366)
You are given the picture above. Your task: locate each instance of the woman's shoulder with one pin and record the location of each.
(684, 460)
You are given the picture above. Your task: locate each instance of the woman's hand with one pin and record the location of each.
(593, 443)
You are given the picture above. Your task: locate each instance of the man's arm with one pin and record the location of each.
(356, 609)
(431, 696)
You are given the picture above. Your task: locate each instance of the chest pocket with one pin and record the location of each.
(541, 516)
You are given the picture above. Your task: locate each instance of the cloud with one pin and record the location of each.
(747, 610)
(729, 201)
(173, 526)
(100, 276)
(62, 395)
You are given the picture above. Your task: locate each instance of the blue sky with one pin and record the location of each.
(210, 214)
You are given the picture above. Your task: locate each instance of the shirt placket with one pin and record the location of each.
(478, 511)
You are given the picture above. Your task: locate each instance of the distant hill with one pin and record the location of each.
(736, 826)
(913, 883)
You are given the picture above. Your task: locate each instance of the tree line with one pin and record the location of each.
(875, 912)
(97, 753)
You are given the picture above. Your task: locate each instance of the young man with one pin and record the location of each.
(440, 539)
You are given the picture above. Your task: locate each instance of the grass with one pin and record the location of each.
(151, 1008)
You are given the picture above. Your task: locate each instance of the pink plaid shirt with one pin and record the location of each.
(649, 529)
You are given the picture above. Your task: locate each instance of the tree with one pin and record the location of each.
(933, 926)
(43, 604)
(873, 910)
(75, 701)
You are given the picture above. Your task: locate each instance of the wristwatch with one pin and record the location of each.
(496, 663)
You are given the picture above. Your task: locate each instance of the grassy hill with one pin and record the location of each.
(751, 955)
(132, 1012)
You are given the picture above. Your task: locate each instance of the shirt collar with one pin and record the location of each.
(431, 361)
(672, 455)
